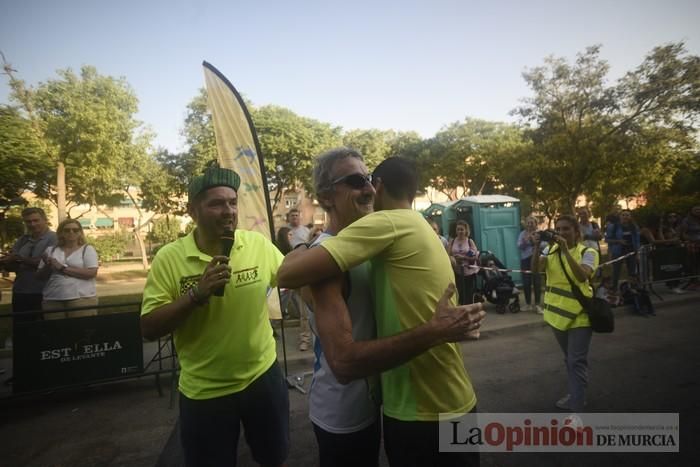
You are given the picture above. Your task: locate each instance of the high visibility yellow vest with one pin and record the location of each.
(561, 309)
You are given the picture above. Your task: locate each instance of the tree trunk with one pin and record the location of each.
(61, 191)
(142, 247)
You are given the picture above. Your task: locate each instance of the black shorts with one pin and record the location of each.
(210, 428)
(360, 448)
(416, 444)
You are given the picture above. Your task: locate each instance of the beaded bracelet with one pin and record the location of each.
(192, 293)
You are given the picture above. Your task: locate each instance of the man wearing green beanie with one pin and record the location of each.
(229, 371)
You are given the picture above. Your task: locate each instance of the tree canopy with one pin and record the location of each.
(85, 123)
(20, 157)
(608, 141)
(76, 138)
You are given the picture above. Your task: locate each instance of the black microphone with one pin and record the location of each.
(226, 244)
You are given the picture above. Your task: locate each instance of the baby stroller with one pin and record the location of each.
(498, 287)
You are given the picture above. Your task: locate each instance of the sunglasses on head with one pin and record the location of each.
(357, 181)
(71, 229)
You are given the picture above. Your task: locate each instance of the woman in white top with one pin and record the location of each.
(72, 267)
(463, 254)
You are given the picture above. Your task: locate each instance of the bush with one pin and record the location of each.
(111, 246)
(165, 230)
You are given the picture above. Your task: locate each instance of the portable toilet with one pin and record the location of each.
(436, 212)
(495, 225)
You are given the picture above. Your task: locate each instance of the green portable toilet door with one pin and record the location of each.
(499, 230)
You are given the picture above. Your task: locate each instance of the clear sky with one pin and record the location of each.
(403, 65)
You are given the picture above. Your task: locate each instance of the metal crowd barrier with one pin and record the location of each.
(57, 354)
(664, 264)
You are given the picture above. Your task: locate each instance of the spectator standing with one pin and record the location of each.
(24, 259)
(300, 232)
(71, 267)
(622, 237)
(526, 245)
(464, 254)
(671, 226)
(690, 234)
(590, 230)
(284, 240)
(300, 235)
(436, 229)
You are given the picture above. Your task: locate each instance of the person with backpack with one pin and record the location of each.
(71, 267)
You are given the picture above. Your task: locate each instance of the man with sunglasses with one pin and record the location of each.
(345, 417)
(422, 371)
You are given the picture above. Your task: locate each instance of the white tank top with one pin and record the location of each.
(346, 408)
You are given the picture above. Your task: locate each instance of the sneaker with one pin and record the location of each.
(678, 291)
(563, 403)
(304, 346)
(526, 307)
(539, 310)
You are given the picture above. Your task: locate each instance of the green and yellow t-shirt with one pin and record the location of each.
(226, 344)
(410, 272)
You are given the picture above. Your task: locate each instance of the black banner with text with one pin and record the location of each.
(63, 352)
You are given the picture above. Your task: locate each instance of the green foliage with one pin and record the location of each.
(87, 123)
(199, 137)
(11, 228)
(164, 230)
(374, 145)
(111, 246)
(289, 144)
(164, 183)
(465, 157)
(20, 157)
(607, 142)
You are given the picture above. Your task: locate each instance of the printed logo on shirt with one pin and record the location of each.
(187, 282)
(245, 277)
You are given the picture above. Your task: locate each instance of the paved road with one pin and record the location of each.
(647, 365)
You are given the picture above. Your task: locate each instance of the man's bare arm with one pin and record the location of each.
(306, 266)
(350, 360)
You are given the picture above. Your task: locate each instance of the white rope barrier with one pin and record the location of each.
(523, 271)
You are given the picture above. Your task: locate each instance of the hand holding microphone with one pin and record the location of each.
(227, 239)
(217, 273)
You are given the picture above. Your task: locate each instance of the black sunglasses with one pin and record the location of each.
(356, 181)
(69, 229)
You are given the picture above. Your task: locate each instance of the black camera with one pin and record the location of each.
(547, 235)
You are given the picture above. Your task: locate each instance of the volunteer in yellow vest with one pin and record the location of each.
(562, 311)
(229, 371)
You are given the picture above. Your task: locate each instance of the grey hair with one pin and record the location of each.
(323, 167)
